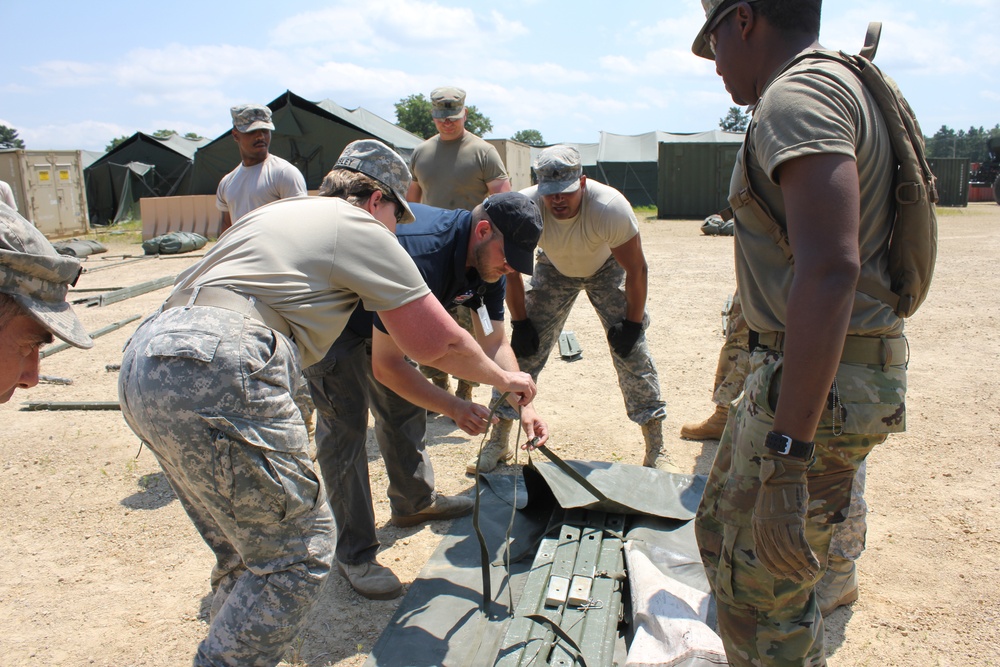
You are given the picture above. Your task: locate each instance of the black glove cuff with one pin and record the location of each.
(630, 327)
(519, 324)
(783, 445)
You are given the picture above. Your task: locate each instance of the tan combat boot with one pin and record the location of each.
(656, 457)
(441, 382)
(838, 585)
(710, 429)
(496, 449)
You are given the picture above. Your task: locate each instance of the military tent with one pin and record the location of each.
(310, 135)
(140, 166)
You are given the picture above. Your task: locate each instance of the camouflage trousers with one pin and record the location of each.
(549, 302)
(344, 388)
(848, 540)
(463, 316)
(764, 620)
(731, 370)
(212, 394)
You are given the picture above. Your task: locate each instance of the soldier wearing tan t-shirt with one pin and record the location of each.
(210, 384)
(454, 169)
(590, 243)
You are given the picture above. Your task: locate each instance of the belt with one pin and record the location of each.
(220, 297)
(884, 351)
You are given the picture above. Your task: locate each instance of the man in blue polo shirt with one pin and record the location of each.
(463, 256)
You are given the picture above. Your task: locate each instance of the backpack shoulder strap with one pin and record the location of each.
(871, 41)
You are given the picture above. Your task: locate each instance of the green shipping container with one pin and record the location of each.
(952, 175)
(694, 179)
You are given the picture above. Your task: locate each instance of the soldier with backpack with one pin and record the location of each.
(818, 207)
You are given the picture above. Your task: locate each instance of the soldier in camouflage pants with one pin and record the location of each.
(839, 584)
(549, 302)
(212, 376)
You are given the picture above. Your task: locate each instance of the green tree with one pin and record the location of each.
(163, 134)
(192, 135)
(530, 137)
(413, 114)
(735, 120)
(115, 143)
(9, 138)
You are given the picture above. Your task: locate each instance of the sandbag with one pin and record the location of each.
(174, 243)
(79, 247)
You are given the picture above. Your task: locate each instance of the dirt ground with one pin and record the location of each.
(100, 565)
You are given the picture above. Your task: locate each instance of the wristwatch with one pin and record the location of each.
(785, 445)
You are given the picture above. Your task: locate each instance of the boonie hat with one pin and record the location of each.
(447, 102)
(250, 117)
(373, 158)
(38, 278)
(558, 169)
(715, 11)
(519, 220)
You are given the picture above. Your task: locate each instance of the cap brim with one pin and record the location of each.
(445, 115)
(408, 216)
(58, 318)
(522, 260)
(256, 125)
(700, 45)
(558, 187)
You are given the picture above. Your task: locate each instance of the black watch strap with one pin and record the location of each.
(784, 445)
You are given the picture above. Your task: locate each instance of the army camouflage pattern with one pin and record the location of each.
(375, 159)
(731, 370)
(211, 393)
(38, 278)
(848, 539)
(548, 304)
(763, 619)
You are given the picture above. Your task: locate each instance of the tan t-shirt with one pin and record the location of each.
(578, 247)
(246, 188)
(816, 107)
(314, 277)
(454, 174)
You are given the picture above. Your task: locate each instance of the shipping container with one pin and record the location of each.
(48, 188)
(952, 174)
(694, 178)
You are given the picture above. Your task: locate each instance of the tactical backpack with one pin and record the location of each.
(913, 241)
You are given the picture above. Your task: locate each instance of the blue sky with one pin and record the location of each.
(77, 74)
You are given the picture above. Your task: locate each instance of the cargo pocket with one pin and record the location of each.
(265, 486)
(867, 399)
(830, 496)
(196, 345)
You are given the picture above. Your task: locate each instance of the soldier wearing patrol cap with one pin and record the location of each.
(590, 242)
(827, 363)
(210, 384)
(260, 178)
(34, 280)
(454, 169)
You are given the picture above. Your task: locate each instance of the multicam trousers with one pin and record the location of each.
(848, 541)
(344, 388)
(549, 302)
(211, 393)
(763, 620)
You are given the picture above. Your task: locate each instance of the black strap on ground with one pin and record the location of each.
(484, 553)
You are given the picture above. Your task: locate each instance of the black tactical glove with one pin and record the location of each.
(623, 337)
(523, 338)
(779, 519)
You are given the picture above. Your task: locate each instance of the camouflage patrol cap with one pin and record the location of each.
(447, 102)
(373, 158)
(37, 277)
(250, 117)
(558, 169)
(715, 11)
